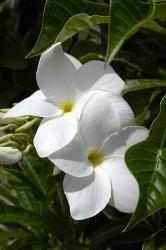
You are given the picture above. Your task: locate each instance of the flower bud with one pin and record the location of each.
(9, 155)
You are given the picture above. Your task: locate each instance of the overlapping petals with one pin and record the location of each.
(55, 134)
(89, 186)
(99, 119)
(65, 87)
(94, 75)
(104, 114)
(86, 130)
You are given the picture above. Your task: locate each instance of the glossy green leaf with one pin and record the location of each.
(138, 84)
(58, 17)
(147, 162)
(156, 241)
(79, 22)
(127, 17)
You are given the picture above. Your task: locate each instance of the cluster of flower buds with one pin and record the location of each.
(15, 137)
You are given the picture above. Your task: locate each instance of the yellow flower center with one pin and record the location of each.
(66, 106)
(95, 157)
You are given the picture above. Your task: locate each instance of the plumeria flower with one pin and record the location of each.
(9, 155)
(96, 173)
(65, 86)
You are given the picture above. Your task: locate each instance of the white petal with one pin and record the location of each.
(118, 143)
(94, 75)
(76, 63)
(123, 110)
(100, 118)
(87, 196)
(55, 134)
(81, 100)
(36, 105)
(54, 74)
(125, 190)
(9, 155)
(71, 159)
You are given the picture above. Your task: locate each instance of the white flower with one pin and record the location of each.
(96, 173)
(64, 84)
(9, 155)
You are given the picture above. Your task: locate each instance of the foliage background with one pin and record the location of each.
(132, 34)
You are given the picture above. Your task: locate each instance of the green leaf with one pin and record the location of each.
(27, 240)
(127, 17)
(147, 162)
(160, 10)
(7, 195)
(7, 235)
(153, 25)
(29, 220)
(29, 170)
(84, 47)
(156, 241)
(141, 118)
(22, 217)
(61, 16)
(26, 184)
(138, 84)
(79, 22)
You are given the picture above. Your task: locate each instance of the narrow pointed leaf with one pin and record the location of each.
(29, 171)
(7, 195)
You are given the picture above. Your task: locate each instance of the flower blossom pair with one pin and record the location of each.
(85, 132)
